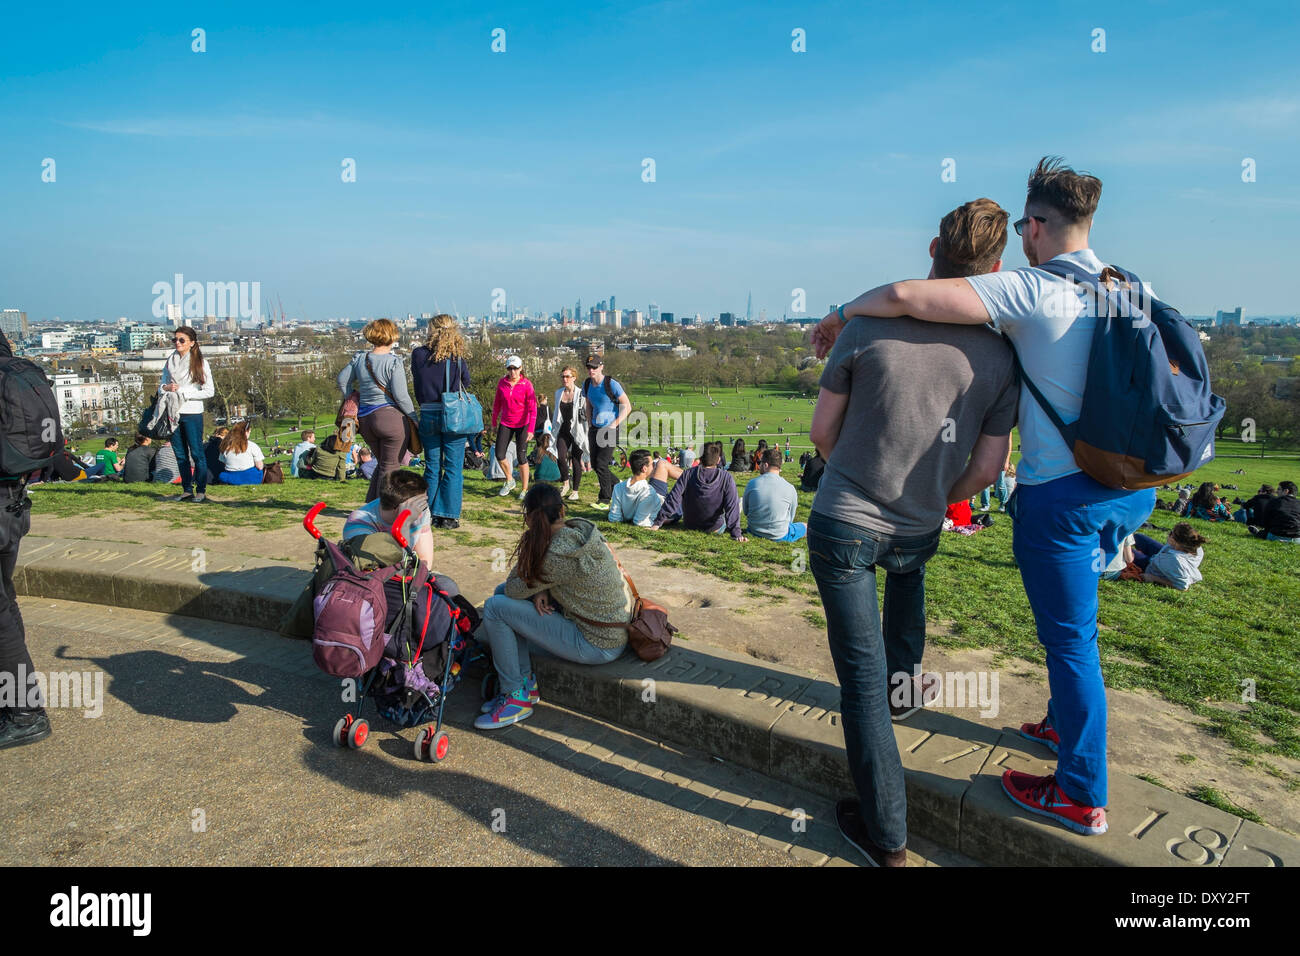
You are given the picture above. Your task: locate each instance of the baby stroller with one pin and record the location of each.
(426, 643)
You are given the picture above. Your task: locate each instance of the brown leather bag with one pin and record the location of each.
(273, 474)
(413, 442)
(649, 632)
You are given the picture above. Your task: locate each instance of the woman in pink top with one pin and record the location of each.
(514, 413)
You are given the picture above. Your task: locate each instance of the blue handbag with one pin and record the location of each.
(461, 412)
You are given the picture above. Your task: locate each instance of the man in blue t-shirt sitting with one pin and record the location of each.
(608, 407)
(770, 502)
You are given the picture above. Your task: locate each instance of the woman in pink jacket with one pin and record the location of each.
(514, 414)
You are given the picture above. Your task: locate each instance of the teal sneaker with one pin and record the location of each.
(533, 696)
(506, 710)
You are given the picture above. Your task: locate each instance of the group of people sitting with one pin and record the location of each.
(704, 496)
(332, 460)
(1271, 513)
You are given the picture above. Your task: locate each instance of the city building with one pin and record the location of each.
(666, 317)
(1228, 318)
(653, 313)
(13, 322)
(635, 319)
(58, 339)
(96, 402)
(174, 317)
(727, 319)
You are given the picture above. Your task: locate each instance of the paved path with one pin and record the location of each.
(212, 748)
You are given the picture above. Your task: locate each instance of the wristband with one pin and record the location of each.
(842, 318)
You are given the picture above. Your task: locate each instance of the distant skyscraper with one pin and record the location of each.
(577, 311)
(727, 319)
(613, 306)
(666, 317)
(652, 313)
(1228, 318)
(602, 305)
(174, 315)
(14, 324)
(749, 308)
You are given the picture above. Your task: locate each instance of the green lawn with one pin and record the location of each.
(1195, 648)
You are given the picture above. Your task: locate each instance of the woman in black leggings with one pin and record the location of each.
(569, 424)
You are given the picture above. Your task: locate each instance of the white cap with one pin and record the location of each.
(514, 361)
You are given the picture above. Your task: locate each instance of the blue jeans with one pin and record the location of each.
(843, 559)
(189, 435)
(795, 532)
(1065, 533)
(444, 463)
(511, 625)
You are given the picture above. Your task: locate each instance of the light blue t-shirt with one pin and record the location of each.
(770, 503)
(603, 410)
(1050, 322)
(367, 520)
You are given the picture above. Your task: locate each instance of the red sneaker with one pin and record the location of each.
(1041, 795)
(1044, 733)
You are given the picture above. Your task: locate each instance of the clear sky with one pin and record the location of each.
(522, 170)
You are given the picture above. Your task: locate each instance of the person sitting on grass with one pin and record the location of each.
(1253, 508)
(566, 594)
(138, 464)
(166, 470)
(401, 490)
(811, 476)
(212, 453)
(1207, 506)
(1134, 553)
(107, 459)
(705, 498)
(739, 457)
(326, 461)
(1177, 564)
(241, 457)
(758, 454)
(543, 459)
(635, 499)
(365, 464)
(770, 502)
(1280, 519)
(307, 444)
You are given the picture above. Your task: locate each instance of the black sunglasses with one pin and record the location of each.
(1019, 225)
(592, 368)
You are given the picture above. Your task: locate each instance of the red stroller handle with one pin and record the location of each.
(397, 528)
(309, 522)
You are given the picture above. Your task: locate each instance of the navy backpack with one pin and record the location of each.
(1148, 416)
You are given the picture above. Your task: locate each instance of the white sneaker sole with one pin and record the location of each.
(497, 725)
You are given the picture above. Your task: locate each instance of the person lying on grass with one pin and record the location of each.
(1177, 565)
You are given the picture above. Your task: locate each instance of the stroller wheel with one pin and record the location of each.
(491, 685)
(357, 734)
(438, 747)
(340, 737)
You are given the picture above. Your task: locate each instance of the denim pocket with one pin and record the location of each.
(906, 557)
(833, 559)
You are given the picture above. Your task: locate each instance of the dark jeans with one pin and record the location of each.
(843, 559)
(601, 443)
(187, 442)
(13, 638)
(1145, 548)
(444, 463)
(570, 460)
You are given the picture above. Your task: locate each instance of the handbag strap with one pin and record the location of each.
(387, 393)
(446, 376)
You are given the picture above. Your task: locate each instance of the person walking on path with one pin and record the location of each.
(514, 413)
(570, 427)
(187, 372)
(439, 366)
(610, 407)
(380, 379)
(1066, 526)
(566, 594)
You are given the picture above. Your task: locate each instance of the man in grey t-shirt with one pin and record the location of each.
(911, 416)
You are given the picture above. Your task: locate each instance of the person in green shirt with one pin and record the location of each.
(107, 458)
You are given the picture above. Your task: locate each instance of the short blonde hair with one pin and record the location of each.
(380, 332)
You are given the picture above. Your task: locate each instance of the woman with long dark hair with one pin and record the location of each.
(438, 366)
(1206, 504)
(187, 372)
(566, 594)
(242, 461)
(570, 428)
(739, 458)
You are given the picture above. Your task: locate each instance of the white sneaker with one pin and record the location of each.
(521, 495)
(573, 496)
(508, 487)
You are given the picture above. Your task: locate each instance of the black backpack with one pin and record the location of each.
(30, 431)
(608, 385)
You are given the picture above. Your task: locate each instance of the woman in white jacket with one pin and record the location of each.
(569, 426)
(188, 373)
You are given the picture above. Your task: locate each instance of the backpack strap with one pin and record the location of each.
(1067, 431)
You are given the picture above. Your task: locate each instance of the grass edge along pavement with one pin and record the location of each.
(764, 717)
(1192, 648)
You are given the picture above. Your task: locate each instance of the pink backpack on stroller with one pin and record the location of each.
(350, 611)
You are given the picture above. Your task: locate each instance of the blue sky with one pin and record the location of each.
(522, 170)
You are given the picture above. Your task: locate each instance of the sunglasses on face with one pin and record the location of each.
(592, 368)
(1019, 225)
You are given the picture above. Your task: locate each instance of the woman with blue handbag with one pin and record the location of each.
(449, 415)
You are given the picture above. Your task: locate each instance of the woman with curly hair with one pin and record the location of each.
(439, 366)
